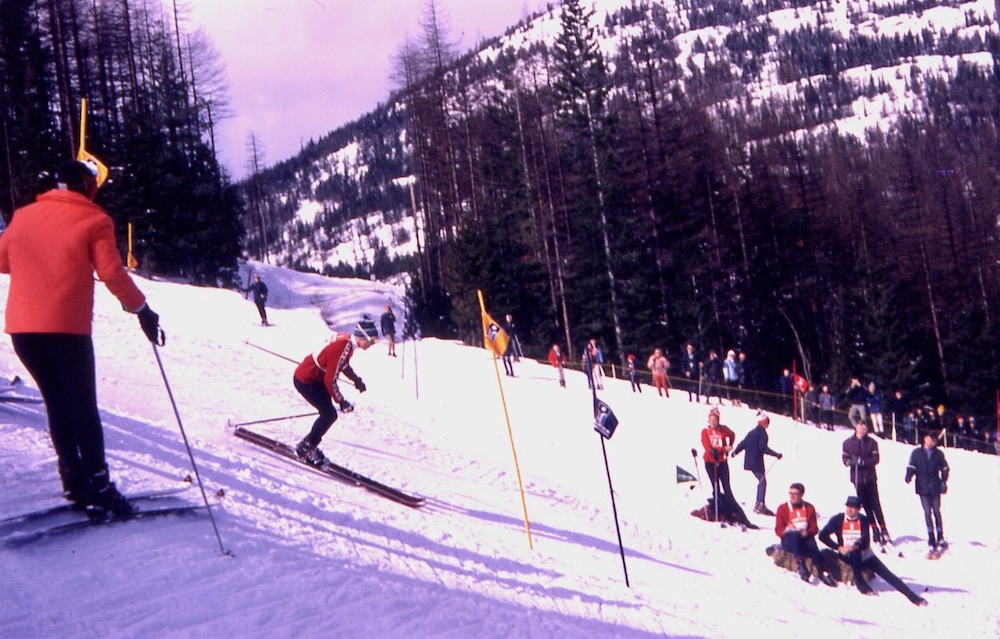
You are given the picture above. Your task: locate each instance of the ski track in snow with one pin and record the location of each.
(316, 557)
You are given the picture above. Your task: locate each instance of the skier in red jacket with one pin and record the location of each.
(317, 380)
(51, 249)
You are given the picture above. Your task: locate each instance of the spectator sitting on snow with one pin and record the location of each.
(796, 526)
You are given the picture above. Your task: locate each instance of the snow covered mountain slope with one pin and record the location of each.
(316, 558)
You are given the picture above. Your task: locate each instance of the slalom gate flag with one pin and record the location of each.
(83, 155)
(683, 476)
(801, 384)
(494, 337)
(605, 421)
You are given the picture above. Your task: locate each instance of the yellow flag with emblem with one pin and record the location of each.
(85, 156)
(494, 337)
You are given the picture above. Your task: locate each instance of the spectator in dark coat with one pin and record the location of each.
(929, 467)
(857, 398)
(860, 454)
(786, 385)
(259, 290)
(713, 377)
(388, 325)
(755, 444)
(691, 369)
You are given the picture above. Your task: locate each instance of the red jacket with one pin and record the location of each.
(51, 250)
(715, 439)
(556, 360)
(325, 366)
(804, 515)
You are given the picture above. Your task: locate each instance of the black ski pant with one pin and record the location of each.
(317, 396)
(932, 517)
(722, 492)
(868, 494)
(62, 366)
(260, 309)
(857, 563)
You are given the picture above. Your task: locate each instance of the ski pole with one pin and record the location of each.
(261, 348)
(697, 469)
(187, 445)
(768, 469)
(272, 419)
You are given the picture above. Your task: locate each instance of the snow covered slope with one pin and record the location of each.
(316, 558)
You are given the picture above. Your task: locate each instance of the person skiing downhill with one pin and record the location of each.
(317, 380)
(259, 290)
(51, 249)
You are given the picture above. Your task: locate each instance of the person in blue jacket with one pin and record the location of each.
(755, 443)
(930, 468)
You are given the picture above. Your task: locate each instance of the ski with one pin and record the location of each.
(22, 537)
(330, 469)
(67, 507)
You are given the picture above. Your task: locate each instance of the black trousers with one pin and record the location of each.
(261, 310)
(855, 560)
(317, 396)
(868, 494)
(802, 547)
(62, 366)
(722, 492)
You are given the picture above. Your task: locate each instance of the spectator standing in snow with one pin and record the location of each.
(786, 386)
(857, 399)
(826, 406)
(713, 377)
(596, 364)
(317, 380)
(860, 454)
(847, 533)
(558, 361)
(873, 401)
(509, 354)
(731, 377)
(259, 290)
(748, 384)
(658, 365)
(717, 441)
(929, 467)
(52, 249)
(755, 443)
(388, 324)
(797, 527)
(691, 369)
(632, 373)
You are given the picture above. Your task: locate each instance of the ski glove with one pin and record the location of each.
(779, 455)
(346, 407)
(360, 385)
(150, 324)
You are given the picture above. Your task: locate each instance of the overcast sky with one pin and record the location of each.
(298, 69)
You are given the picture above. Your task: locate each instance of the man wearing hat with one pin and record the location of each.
(52, 249)
(847, 533)
(796, 525)
(317, 380)
(755, 443)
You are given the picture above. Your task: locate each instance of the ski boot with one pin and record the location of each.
(103, 500)
(310, 453)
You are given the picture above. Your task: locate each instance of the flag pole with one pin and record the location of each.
(510, 432)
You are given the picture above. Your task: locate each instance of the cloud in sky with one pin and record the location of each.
(298, 69)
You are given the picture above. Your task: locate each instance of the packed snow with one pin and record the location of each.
(311, 557)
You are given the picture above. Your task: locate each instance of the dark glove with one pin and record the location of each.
(909, 478)
(944, 488)
(779, 455)
(715, 454)
(360, 385)
(150, 324)
(346, 406)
